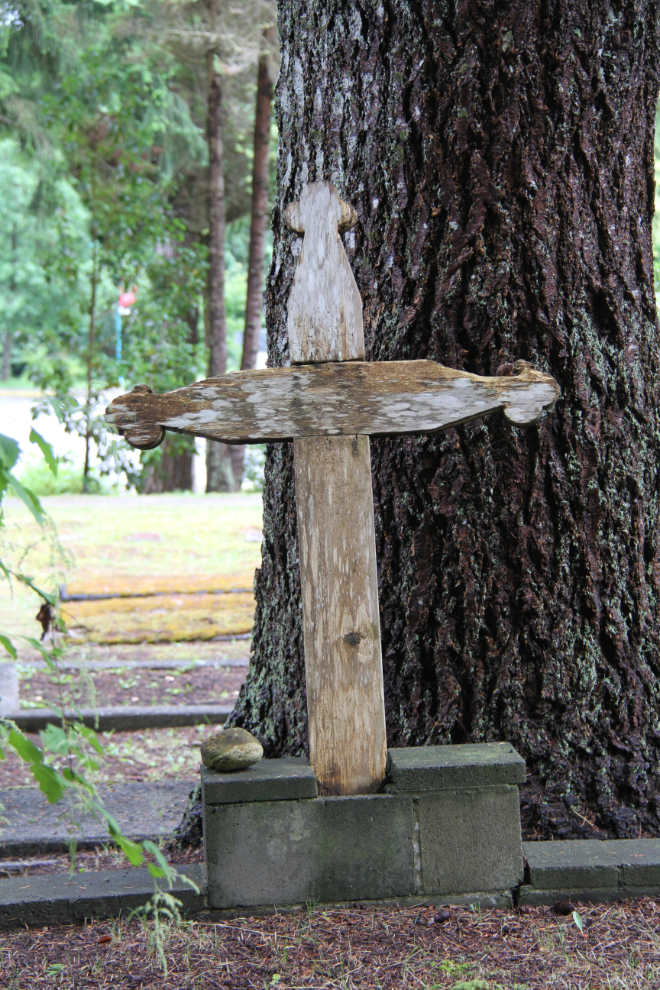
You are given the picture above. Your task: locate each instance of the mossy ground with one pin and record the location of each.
(179, 542)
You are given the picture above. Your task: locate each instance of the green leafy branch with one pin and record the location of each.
(73, 746)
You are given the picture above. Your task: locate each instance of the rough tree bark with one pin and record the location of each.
(500, 158)
(219, 477)
(257, 251)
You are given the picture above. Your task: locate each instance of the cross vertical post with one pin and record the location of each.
(337, 544)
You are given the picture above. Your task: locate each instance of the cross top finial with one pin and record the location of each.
(325, 308)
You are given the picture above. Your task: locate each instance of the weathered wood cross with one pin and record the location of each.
(330, 401)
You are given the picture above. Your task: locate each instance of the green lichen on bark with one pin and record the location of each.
(500, 159)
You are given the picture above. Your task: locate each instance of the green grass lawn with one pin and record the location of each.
(95, 536)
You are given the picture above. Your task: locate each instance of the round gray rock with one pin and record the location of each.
(231, 750)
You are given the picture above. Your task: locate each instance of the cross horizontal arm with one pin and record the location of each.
(342, 399)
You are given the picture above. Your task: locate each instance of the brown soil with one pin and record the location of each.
(132, 686)
(387, 948)
(126, 653)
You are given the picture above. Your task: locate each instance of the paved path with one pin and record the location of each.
(143, 811)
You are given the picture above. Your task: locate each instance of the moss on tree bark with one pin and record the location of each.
(500, 159)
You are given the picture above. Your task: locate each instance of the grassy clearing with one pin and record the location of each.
(128, 536)
(349, 949)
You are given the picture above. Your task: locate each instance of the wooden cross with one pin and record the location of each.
(330, 401)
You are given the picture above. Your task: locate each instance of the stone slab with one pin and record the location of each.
(286, 779)
(125, 718)
(432, 768)
(143, 811)
(530, 895)
(63, 898)
(586, 864)
(470, 839)
(292, 852)
(639, 862)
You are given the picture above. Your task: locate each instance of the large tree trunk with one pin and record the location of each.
(219, 476)
(255, 280)
(500, 158)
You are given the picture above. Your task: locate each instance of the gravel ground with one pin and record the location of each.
(152, 754)
(391, 949)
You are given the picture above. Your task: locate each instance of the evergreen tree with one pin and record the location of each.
(501, 164)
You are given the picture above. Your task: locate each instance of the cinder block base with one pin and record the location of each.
(270, 840)
(590, 870)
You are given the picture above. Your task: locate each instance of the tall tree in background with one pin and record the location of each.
(218, 464)
(258, 226)
(225, 39)
(500, 160)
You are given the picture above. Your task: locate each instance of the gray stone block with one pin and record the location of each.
(639, 862)
(62, 898)
(433, 768)
(286, 779)
(533, 897)
(573, 864)
(470, 839)
(328, 849)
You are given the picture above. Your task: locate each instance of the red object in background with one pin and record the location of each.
(127, 299)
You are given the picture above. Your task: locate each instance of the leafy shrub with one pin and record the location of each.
(69, 480)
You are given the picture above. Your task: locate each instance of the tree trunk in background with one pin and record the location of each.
(255, 281)
(500, 159)
(219, 476)
(174, 470)
(90, 365)
(5, 366)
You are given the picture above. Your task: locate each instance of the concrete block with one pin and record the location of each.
(328, 849)
(469, 839)
(652, 891)
(286, 779)
(533, 897)
(639, 862)
(572, 864)
(65, 899)
(433, 768)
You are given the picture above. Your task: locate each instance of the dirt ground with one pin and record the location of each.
(129, 685)
(152, 754)
(391, 949)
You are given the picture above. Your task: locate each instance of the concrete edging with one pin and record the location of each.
(587, 871)
(591, 870)
(124, 718)
(63, 898)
